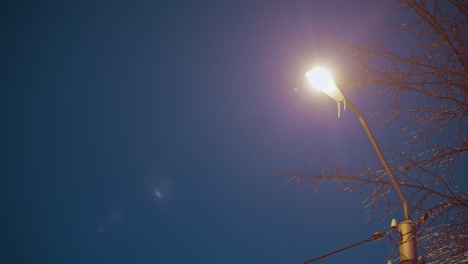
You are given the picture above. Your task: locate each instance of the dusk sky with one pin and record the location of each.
(147, 131)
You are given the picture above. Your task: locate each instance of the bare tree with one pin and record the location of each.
(421, 81)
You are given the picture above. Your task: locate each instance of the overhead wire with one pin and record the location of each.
(374, 237)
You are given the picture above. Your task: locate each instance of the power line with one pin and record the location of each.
(374, 237)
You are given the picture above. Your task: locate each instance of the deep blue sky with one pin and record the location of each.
(148, 132)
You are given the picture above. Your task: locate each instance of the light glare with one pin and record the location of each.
(321, 80)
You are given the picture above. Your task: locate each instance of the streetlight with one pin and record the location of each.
(321, 80)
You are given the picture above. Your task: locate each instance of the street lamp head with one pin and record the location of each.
(321, 80)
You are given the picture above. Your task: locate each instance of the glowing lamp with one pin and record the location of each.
(321, 80)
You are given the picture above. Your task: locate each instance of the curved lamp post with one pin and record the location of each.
(321, 80)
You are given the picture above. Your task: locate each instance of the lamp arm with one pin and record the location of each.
(381, 156)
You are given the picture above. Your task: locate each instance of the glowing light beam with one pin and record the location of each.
(321, 80)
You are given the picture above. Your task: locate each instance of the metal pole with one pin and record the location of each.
(406, 230)
(407, 241)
